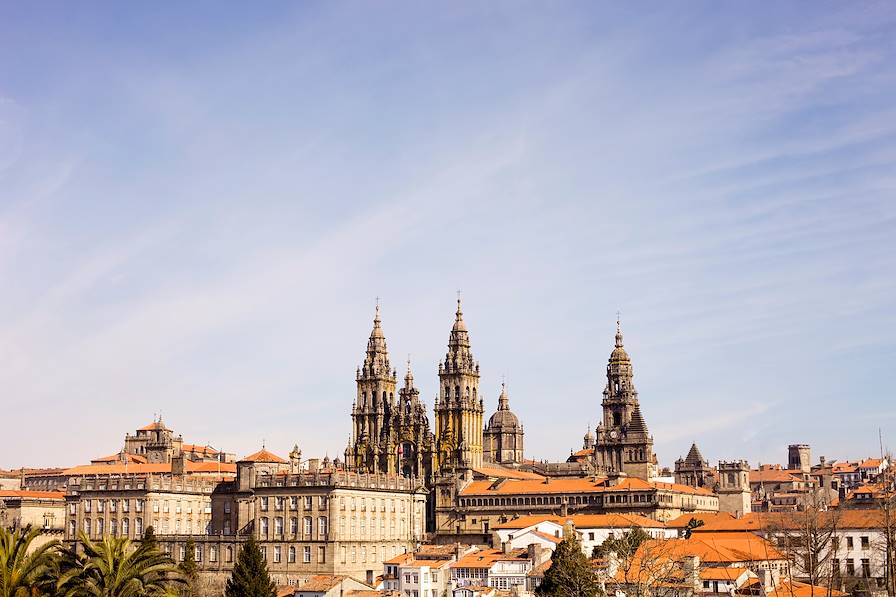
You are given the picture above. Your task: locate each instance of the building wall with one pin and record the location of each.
(126, 505)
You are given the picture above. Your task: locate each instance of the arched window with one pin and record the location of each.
(457, 392)
(228, 554)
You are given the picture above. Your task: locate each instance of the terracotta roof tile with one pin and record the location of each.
(26, 493)
(264, 456)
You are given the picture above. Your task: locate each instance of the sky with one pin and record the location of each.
(200, 204)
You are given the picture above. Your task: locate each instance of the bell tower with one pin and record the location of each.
(376, 380)
(459, 409)
(623, 443)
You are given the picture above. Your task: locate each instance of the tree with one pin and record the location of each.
(692, 524)
(111, 568)
(887, 507)
(23, 573)
(188, 567)
(570, 574)
(250, 576)
(149, 537)
(625, 546)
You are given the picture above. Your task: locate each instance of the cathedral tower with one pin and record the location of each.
(459, 408)
(375, 397)
(623, 443)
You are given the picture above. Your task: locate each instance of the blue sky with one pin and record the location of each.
(199, 205)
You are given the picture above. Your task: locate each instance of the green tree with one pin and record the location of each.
(149, 537)
(23, 573)
(570, 574)
(692, 524)
(112, 568)
(188, 567)
(250, 576)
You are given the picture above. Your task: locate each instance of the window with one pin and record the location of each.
(113, 527)
(72, 528)
(101, 505)
(139, 505)
(197, 553)
(306, 554)
(278, 503)
(866, 567)
(363, 553)
(138, 526)
(850, 567)
(165, 506)
(125, 505)
(100, 527)
(306, 525)
(264, 527)
(294, 502)
(87, 505)
(324, 502)
(264, 553)
(591, 536)
(342, 554)
(181, 552)
(228, 554)
(849, 543)
(212, 554)
(276, 554)
(865, 543)
(291, 555)
(308, 502)
(264, 503)
(835, 544)
(354, 554)
(322, 527)
(113, 505)
(226, 507)
(278, 525)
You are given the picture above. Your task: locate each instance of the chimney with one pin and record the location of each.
(691, 565)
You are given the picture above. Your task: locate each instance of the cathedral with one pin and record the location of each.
(393, 435)
(622, 443)
(388, 435)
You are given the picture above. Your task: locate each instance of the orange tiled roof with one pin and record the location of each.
(321, 582)
(197, 449)
(135, 458)
(871, 463)
(550, 538)
(583, 521)
(705, 517)
(774, 476)
(26, 493)
(760, 521)
(264, 456)
(149, 468)
(540, 569)
(155, 426)
(844, 467)
(485, 558)
(801, 589)
(501, 472)
(721, 573)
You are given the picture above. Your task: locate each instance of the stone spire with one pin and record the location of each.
(459, 356)
(503, 400)
(376, 362)
(694, 456)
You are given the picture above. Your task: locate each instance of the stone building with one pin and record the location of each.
(124, 499)
(733, 487)
(623, 443)
(309, 519)
(694, 470)
(477, 506)
(388, 436)
(503, 437)
(459, 409)
(155, 443)
(44, 510)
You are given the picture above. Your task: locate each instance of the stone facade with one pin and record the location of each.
(388, 436)
(315, 521)
(733, 487)
(503, 437)
(459, 409)
(623, 443)
(124, 503)
(694, 470)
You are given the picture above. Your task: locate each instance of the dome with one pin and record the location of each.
(589, 436)
(503, 418)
